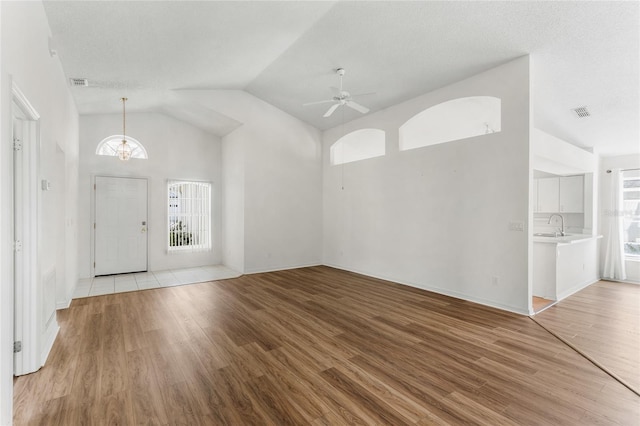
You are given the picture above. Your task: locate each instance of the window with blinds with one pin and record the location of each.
(189, 214)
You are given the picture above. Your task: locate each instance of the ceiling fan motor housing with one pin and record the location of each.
(342, 98)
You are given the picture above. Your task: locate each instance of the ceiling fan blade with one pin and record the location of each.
(331, 110)
(318, 102)
(363, 94)
(357, 107)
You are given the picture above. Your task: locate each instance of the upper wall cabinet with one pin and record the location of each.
(548, 195)
(572, 194)
(560, 194)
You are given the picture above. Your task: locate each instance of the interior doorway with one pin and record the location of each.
(120, 225)
(32, 340)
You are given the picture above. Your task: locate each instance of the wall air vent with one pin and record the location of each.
(79, 82)
(582, 112)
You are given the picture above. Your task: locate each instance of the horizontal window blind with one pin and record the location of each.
(189, 214)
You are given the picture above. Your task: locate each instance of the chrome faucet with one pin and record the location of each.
(561, 222)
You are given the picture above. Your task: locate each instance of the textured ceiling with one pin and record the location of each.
(583, 53)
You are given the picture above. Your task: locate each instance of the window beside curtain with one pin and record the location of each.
(631, 212)
(189, 216)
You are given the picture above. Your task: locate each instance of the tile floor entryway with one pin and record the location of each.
(144, 280)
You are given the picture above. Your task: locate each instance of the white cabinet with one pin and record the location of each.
(561, 269)
(559, 194)
(535, 196)
(544, 270)
(548, 195)
(571, 194)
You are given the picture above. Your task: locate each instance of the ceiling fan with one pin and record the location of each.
(341, 97)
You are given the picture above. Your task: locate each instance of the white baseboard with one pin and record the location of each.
(576, 288)
(63, 305)
(443, 291)
(47, 341)
(284, 268)
(621, 281)
(631, 282)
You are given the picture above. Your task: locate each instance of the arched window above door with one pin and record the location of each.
(109, 147)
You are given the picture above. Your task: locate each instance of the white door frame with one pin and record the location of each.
(26, 291)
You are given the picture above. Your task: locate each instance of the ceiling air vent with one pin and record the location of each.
(79, 82)
(582, 112)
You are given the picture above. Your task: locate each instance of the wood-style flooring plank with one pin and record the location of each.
(320, 346)
(603, 321)
(148, 406)
(116, 410)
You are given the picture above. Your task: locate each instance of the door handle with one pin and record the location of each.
(143, 229)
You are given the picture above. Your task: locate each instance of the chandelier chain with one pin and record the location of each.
(124, 150)
(124, 118)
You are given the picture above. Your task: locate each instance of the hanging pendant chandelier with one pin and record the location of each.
(124, 149)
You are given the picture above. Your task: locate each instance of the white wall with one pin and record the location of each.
(274, 159)
(25, 59)
(283, 191)
(609, 163)
(233, 202)
(176, 150)
(438, 217)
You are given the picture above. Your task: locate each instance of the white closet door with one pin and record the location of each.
(120, 225)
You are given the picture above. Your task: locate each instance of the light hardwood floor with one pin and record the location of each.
(311, 346)
(540, 304)
(603, 321)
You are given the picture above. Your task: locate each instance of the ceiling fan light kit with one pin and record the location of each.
(341, 97)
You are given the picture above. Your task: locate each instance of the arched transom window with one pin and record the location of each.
(358, 145)
(452, 120)
(109, 146)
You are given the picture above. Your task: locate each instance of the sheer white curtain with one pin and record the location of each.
(614, 248)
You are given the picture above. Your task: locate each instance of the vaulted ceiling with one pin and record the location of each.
(583, 54)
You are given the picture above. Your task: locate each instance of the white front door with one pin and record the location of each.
(120, 225)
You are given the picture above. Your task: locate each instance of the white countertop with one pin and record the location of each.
(567, 239)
